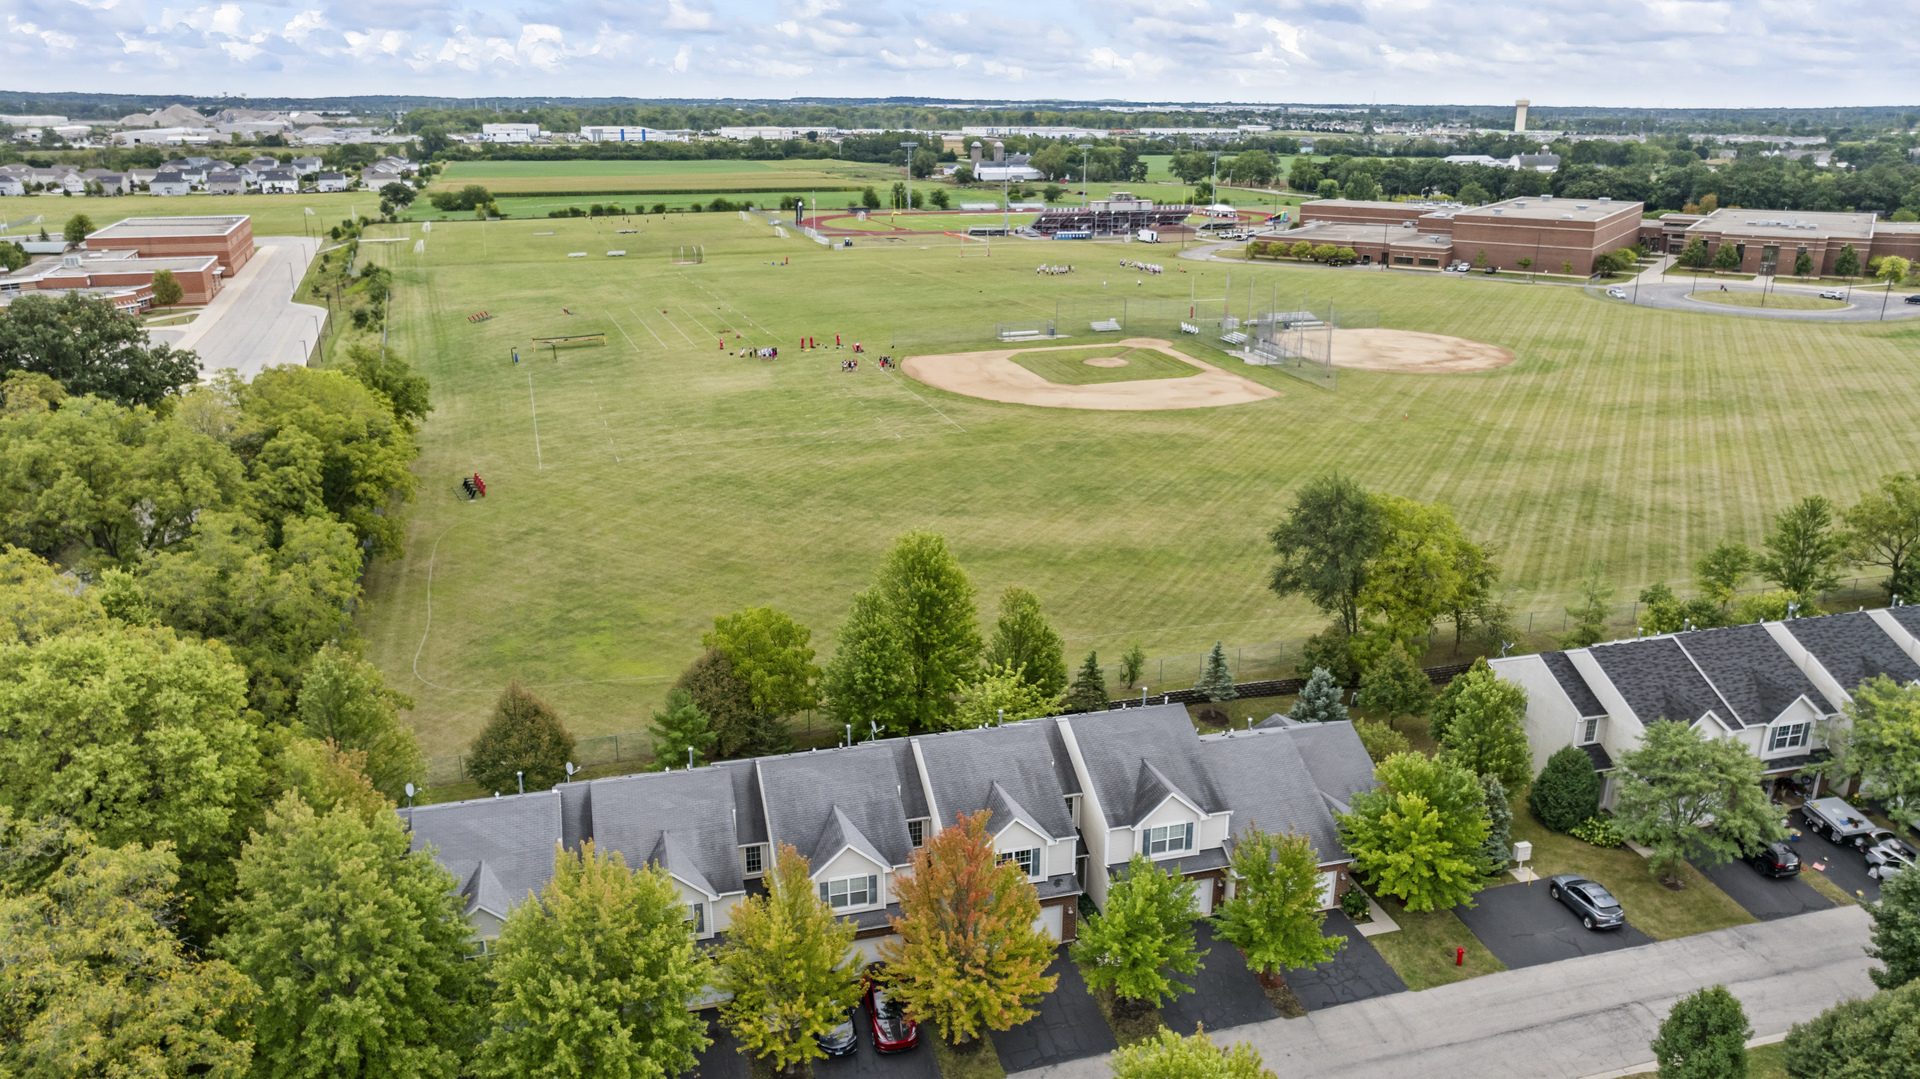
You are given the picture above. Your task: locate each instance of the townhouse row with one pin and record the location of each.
(1070, 799)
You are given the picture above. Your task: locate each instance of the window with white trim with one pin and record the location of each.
(1028, 859)
(1168, 839)
(917, 831)
(699, 918)
(1589, 731)
(1788, 736)
(848, 892)
(754, 864)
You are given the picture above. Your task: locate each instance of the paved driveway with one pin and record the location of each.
(1766, 898)
(1226, 994)
(1068, 1027)
(1356, 972)
(1529, 1024)
(1845, 866)
(723, 1059)
(254, 324)
(1523, 926)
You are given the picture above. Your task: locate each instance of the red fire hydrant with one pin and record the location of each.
(1459, 957)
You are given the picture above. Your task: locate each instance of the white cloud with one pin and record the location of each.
(302, 26)
(681, 17)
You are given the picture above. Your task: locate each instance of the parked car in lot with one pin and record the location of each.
(1775, 860)
(842, 1040)
(1833, 294)
(1596, 906)
(1618, 294)
(1892, 857)
(1836, 820)
(887, 1018)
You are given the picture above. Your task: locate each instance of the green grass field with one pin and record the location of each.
(1071, 368)
(1783, 301)
(1634, 435)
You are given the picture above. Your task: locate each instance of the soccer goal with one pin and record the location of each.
(689, 255)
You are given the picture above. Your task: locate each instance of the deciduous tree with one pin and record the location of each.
(344, 699)
(166, 289)
(1596, 605)
(769, 652)
(1380, 740)
(1423, 569)
(1803, 550)
(1023, 640)
(356, 947)
(1567, 790)
(1001, 694)
(1418, 835)
(967, 954)
(1721, 571)
(1704, 1037)
(391, 378)
(1487, 734)
(785, 965)
(1325, 542)
(594, 979)
(86, 345)
(37, 602)
(1145, 932)
(524, 741)
(1726, 256)
(327, 778)
(78, 226)
(1167, 1055)
(922, 603)
(1132, 663)
(1883, 529)
(1274, 915)
(1679, 780)
(867, 678)
(1880, 743)
(1847, 262)
(1396, 686)
(1896, 931)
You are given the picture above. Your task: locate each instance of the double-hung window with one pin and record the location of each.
(699, 918)
(1589, 730)
(1169, 839)
(848, 892)
(754, 864)
(1027, 859)
(1788, 736)
(917, 832)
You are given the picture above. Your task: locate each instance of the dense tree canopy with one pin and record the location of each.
(89, 347)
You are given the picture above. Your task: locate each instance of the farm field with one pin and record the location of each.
(1633, 435)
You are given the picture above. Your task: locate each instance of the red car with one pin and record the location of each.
(892, 1031)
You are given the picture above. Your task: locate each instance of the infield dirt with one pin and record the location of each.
(994, 376)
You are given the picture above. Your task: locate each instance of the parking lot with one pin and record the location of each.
(1523, 926)
(1766, 898)
(1356, 972)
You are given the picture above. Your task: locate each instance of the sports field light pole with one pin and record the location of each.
(1084, 147)
(910, 147)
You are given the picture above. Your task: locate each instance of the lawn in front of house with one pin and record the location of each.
(1656, 910)
(1423, 951)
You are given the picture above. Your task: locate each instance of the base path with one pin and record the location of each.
(254, 324)
(995, 377)
(1567, 1020)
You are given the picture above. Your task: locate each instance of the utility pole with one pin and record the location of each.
(910, 148)
(1084, 147)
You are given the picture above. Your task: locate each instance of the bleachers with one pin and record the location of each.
(1109, 222)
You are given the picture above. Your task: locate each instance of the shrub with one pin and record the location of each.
(1567, 790)
(1598, 831)
(1354, 903)
(1381, 740)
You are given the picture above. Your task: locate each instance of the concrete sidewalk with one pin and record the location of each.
(254, 323)
(1566, 1020)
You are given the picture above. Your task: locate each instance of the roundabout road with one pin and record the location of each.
(1671, 293)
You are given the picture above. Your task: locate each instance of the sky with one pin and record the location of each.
(1629, 53)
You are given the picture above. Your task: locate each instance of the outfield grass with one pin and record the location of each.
(1782, 301)
(1070, 367)
(1634, 435)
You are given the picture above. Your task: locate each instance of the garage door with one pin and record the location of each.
(1050, 921)
(1203, 897)
(1328, 881)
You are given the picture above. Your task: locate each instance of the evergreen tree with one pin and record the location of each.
(1498, 849)
(1089, 690)
(1704, 1037)
(1567, 790)
(966, 954)
(1487, 734)
(1319, 700)
(345, 699)
(1216, 679)
(1440, 713)
(1145, 931)
(785, 964)
(1803, 264)
(93, 981)
(1396, 685)
(594, 978)
(1896, 931)
(682, 727)
(1024, 641)
(1274, 916)
(524, 736)
(357, 948)
(1847, 262)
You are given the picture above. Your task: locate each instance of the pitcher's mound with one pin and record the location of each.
(994, 376)
(1415, 352)
(1105, 361)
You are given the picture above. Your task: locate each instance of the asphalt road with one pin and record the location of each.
(1843, 866)
(1563, 1020)
(1671, 293)
(254, 324)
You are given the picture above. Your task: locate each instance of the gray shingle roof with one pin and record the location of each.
(840, 833)
(752, 823)
(869, 782)
(1335, 759)
(1756, 678)
(1027, 759)
(512, 839)
(1115, 743)
(1659, 681)
(632, 814)
(1269, 783)
(1574, 685)
(1853, 647)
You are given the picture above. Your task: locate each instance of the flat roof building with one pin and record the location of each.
(229, 237)
(1558, 235)
(1771, 241)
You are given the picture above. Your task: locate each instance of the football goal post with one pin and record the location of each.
(975, 247)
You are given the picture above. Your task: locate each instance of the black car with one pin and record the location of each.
(1596, 906)
(841, 1041)
(1775, 860)
(1914, 298)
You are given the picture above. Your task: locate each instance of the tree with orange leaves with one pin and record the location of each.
(967, 955)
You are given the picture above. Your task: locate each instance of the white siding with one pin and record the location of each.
(851, 863)
(1099, 839)
(1552, 720)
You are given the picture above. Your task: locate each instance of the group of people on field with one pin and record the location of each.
(1052, 270)
(886, 363)
(1147, 267)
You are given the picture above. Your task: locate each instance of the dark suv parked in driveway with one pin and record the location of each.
(1775, 860)
(1596, 906)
